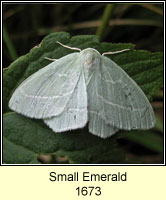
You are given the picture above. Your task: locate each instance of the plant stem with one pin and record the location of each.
(105, 19)
(9, 44)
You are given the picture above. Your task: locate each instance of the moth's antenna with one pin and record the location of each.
(52, 59)
(73, 48)
(110, 53)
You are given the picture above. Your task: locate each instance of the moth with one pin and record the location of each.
(83, 88)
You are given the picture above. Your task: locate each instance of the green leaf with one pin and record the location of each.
(14, 154)
(30, 138)
(25, 139)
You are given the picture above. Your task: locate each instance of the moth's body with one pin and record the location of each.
(80, 88)
(90, 58)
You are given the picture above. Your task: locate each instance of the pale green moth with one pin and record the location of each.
(81, 88)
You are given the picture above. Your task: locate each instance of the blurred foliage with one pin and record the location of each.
(25, 25)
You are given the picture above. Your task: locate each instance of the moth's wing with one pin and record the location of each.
(47, 92)
(97, 125)
(123, 103)
(75, 113)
